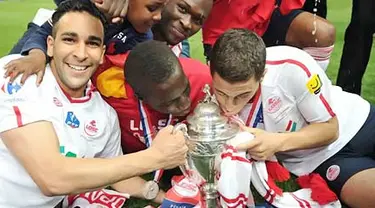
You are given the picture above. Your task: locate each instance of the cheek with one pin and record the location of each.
(195, 28)
(240, 104)
(96, 55)
(220, 100)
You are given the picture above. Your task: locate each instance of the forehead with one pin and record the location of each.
(148, 2)
(171, 89)
(199, 6)
(233, 89)
(81, 23)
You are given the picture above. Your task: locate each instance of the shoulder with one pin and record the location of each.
(29, 88)
(6, 59)
(289, 60)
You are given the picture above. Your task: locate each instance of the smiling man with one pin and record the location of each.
(180, 20)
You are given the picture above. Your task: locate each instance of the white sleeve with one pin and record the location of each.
(311, 88)
(19, 105)
(113, 146)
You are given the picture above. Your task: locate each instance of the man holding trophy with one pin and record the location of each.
(290, 106)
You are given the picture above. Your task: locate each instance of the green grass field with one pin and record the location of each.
(15, 14)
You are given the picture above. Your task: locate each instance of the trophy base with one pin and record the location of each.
(209, 195)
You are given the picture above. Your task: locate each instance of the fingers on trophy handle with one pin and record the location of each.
(182, 127)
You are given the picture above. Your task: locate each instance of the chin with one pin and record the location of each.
(172, 42)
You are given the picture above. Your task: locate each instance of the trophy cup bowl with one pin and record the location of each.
(207, 134)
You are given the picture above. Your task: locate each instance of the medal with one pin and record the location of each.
(147, 133)
(150, 190)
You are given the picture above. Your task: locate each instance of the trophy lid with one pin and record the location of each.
(207, 124)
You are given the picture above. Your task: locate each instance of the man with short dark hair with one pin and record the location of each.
(289, 104)
(50, 135)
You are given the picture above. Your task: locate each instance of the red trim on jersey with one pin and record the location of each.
(328, 107)
(81, 99)
(18, 116)
(291, 61)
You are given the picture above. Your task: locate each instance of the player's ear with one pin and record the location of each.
(264, 73)
(102, 58)
(50, 45)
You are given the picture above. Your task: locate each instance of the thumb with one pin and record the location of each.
(247, 145)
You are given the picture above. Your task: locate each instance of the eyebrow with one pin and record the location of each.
(75, 35)
(72, 34)
(234, 96)
(95, 38)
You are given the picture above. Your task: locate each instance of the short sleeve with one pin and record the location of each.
(113, 146)
(19, 105)
(310, 86)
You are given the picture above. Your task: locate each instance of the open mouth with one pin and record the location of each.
(77, 68)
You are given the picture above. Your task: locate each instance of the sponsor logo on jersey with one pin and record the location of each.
(90, 128)
(332, 172)
(135, 126)
(67, 154)
(57, 102)
(14, 100)
(11, 88)
(314, 85)
(273, 104)
(71, 120)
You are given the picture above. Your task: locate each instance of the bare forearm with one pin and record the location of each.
(38, 54)
(312, 136)
(134, 187)
(82, 175)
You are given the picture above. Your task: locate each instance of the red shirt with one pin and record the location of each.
(254, 15)
(129, 115)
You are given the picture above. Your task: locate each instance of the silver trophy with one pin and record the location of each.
(207, 133)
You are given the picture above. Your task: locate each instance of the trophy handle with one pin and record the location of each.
(182, 127)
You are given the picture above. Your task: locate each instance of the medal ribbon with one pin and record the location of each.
(255, 118)
(147, 132)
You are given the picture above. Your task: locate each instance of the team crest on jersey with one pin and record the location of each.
(71, 120)
(332, 172)
(11, 88)
(57, 102)
(90, 128)
(314, 85)
(273, 104)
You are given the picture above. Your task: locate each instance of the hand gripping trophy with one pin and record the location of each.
(207, 132)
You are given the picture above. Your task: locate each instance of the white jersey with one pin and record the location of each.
(177, 49)
(86, 127)
(295, 92)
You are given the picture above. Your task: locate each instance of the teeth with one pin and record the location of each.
(77, 68)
